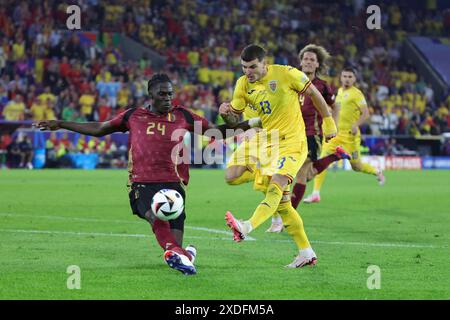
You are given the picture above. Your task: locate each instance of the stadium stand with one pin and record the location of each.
(47, 72)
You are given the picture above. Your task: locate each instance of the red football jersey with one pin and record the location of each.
(312, 118)
(155, 143)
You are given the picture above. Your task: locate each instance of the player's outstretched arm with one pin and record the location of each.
(329, 127)
(236, 129)
(96, 129)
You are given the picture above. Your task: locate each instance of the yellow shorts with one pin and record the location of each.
(285, 159)
(349, 142)
(241, 156)
(248, 152)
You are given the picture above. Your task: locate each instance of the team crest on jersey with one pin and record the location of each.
(273, 85)
(171, 117)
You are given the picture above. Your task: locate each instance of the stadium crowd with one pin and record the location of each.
(47, 72)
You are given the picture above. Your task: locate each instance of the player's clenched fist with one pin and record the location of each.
(47, 125)
(329, 128)
(225, 108)
(227, 114)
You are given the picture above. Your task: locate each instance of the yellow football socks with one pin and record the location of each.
(367, 168)
(293, 224)
(319, 179)
(268, 206)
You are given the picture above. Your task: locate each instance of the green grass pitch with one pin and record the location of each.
(50, 220)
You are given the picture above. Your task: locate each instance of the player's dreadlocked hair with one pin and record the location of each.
(322, 57)
(252, 52)
(157, 78)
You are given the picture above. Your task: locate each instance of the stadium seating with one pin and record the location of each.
(47, 72)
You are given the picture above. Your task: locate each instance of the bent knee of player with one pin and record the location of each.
(356, 165)
(232, 173)
(302, 176)
(306, 172)
(281, 180)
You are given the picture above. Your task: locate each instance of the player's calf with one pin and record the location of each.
(380, 177)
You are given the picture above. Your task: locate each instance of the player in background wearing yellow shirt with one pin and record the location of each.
(353, 113)
(272, 91)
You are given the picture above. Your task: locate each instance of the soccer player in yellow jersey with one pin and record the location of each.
(272, 91)
(353, 113)
(313, 62)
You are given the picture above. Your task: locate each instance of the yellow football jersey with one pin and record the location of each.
(274, 98)
(351, 101)
(249, 113)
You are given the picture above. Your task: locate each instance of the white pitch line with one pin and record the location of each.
(4, 214)
(113, 221)
(128, 235)
(76, 233)
(369, 244)
(99, 234)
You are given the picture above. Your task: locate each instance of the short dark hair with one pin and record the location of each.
(158, 78)
(349, 69)
(252, 52)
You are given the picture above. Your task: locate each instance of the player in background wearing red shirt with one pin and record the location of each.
(313, 60)
(152, 167)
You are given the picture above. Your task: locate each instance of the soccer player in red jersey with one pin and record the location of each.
(313, 60)
(155, 148)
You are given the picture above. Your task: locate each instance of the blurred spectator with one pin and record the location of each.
(47, 94)
(14, 109)
(3, 97)
(446, 147)
(104, 110)
(56, 151)
(51, 144)
(14, 155)
(376, 122)
(87, 101)
(26, 153)
(50, 109)
(5, 141)
(395, 149)
(83, 145)
(38, 110)
(67, 143)
(69, 113)
(124, 94)
(112, 90)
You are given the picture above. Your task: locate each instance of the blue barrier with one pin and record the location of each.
(436, 163)
(84, 161)
(39, 158)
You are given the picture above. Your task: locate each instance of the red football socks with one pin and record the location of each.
(165, 238)
(324, 162)
(297, 194)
